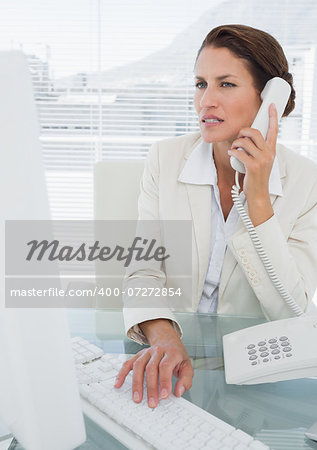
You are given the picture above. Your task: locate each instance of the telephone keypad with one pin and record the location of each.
(269, 350)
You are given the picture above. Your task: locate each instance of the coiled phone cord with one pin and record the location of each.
(260, 250)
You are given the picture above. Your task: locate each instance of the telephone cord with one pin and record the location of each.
(260, 250)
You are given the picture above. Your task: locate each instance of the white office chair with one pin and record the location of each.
(116, 192)
(116, 189)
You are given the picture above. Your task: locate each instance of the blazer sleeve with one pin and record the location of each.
(294, 258)
(149, 274)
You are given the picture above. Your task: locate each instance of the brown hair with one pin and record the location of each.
(264, 56)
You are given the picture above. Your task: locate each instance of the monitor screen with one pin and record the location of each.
(39, 399)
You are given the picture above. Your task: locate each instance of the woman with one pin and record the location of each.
(232, 67)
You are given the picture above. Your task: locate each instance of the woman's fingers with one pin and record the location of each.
(166, 370)
(139, 366)
(272, 132)
(249, 136)
(158, 363)
(252, 140)
(127, 366)
(152, 378)
(186, 373)
(246, 144)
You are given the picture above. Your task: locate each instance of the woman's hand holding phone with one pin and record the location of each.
(167, 356)
(258, 163)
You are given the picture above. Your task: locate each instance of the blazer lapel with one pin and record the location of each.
(200, 200)
(199, 197)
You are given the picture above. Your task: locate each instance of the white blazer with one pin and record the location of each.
(289, 238)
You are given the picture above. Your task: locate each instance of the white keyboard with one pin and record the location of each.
(174, 424)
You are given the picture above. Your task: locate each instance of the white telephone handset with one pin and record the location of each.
(276, 91)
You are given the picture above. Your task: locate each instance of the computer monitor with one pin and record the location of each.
(39, 399)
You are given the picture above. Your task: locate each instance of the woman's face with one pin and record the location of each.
(224, 91)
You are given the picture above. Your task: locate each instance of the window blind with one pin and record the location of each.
(112, 78)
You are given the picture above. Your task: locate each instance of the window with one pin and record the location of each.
(111, 78)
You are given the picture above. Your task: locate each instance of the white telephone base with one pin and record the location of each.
(274, 351)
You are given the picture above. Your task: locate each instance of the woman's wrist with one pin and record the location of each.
(260, 210)
(157, 330)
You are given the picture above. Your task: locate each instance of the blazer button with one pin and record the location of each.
(255, 281)
(249, 268)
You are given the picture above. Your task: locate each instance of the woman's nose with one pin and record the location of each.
(209, 98)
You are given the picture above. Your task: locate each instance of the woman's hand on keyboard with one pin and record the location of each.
(166, 356)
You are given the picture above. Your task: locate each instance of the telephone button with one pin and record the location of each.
(283, 338)
(252, 357)
(275, 352)
(251, 346)
(272, 341)
(260, 344)
(288, 354)
(262, 349)
(274, 345)
(287, 349)
(284, 344)
(277, 357)
(251, 352)
(264, 354)
(254, 363)
(265, 360)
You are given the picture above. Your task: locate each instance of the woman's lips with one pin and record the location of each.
(211, 122)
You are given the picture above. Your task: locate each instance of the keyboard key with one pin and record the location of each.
(230, 441)
(218, 434)
(206, 427)
(257, 445)
(242, 436)
(213, 444)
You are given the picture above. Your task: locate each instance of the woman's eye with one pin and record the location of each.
(201, 84)
(227, 84)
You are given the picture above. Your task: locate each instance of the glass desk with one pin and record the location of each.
(277, 414)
